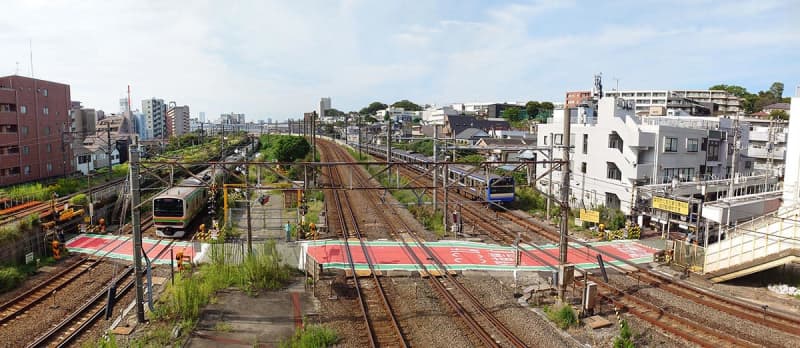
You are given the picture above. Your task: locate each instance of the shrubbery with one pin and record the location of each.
(311, 336)
(564, 316)
(10, 278)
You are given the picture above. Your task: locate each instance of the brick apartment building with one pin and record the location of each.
(33, 116)
(576, 98)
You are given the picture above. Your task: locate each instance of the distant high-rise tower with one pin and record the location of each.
(324, 104)
(123, 106)
(202, 117)
(155, 114)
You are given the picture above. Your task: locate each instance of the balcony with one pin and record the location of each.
(779, 137)
(761, 152)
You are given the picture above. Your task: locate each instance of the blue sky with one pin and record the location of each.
(276, 59)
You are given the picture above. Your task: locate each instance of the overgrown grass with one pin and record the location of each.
(625, 338)
(263, 269)
(11, 232)
(10, 278)
(311, 336)
(563, 316)
(13, 276)
(433, 221)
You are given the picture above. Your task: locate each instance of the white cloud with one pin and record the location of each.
(277, 58)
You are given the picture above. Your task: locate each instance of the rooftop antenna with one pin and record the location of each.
(16, 72)
(30, 46)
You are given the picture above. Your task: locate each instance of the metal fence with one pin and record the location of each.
(688, 255)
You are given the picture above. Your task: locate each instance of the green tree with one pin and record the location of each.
(779, 115)
(407, 105)
(334, 113)
(738, 91)
(290, 148)
(370, 119)
(532, 107)
(777, 90)
(547, 106)
(512, 114)
(372, 108)
(471, 159)
(424, 147)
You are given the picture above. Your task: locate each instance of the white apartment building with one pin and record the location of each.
(615, 151)
(398, 114)
(791, 180)
(767, 147)
(654, 101)
(437, 115)
(155, 116)
(231, 118)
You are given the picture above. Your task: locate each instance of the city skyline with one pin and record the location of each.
(276, 60)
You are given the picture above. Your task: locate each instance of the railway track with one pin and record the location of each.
(69, 329)
(381, 322)
(46, 207)
(687, 329)
(479, 320)
(17, 306)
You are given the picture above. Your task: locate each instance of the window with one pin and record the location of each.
(46, 130)
(44, 92)
(585, 144)
(683, 174)
(25, 150)
(692, 145)
(612, 171)
(558, 139)
(545, 140)
(23, 130)
(49, 167)
(712, 153)
(27, 170)
(670, 144)
(49, 148)
(614, 141)
(45, 110)
(23, 109)
(583, 167)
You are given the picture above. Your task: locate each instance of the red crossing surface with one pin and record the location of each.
(121, 247)
(475, 255)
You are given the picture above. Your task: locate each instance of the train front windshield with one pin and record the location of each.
(168, 207)
(502, 185)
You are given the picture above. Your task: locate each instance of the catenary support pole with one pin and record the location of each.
(564, 228)
(137, 231)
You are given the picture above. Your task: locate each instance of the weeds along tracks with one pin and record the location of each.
(772, 319)
(478, 320)
(19, 305)
(69, 329)
(379, 317)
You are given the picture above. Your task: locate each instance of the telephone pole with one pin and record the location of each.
(137, 231)
(735, 155)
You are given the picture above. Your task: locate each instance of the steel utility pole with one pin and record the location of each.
(562, 245)
(137, 231)
(249, 221)
(388, 141)
(108, 148)
(435, 169)
(735, 155)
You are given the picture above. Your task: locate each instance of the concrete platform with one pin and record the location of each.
(237, 319)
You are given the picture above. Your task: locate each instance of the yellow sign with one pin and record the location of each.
(590, 215)
(671, 205)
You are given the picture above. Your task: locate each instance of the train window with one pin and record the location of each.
(168, 207)
(502, 185)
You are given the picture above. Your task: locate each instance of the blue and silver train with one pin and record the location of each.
(466, 179)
